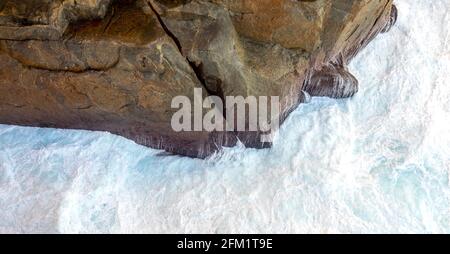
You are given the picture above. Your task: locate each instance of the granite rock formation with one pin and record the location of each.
(116, 65)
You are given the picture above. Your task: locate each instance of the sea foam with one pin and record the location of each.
(376, 163)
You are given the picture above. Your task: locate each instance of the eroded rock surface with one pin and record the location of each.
(117, 65)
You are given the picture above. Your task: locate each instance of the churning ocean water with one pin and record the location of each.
(376, 163)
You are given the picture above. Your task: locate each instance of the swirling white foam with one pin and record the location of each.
(376, 163)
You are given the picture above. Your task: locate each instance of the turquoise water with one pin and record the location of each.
(376, 163)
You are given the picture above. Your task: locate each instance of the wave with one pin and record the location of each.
(376, 163)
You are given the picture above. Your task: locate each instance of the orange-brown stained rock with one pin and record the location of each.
(116, 65)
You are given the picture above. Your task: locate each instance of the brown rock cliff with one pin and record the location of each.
(116, 65)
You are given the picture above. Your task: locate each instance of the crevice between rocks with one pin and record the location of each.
(196, 68)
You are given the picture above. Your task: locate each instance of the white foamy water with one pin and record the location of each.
(376, 163)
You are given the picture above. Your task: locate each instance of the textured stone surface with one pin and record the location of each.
(116, 65)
